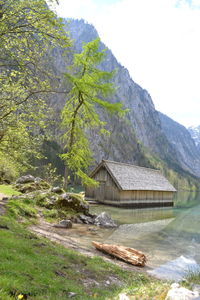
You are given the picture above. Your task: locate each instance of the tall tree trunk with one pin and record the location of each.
(66, 178)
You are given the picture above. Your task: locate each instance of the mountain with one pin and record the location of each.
(143, 137)
(195, 134)
(142, 119)
(181, 140)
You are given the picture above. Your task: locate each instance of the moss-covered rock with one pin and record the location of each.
(46, 199)
(40, 194)
(73, 202)
(27, 184)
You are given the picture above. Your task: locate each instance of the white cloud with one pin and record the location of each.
(158, 42)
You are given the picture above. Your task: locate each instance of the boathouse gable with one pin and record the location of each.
(107, 189)
(129, 185)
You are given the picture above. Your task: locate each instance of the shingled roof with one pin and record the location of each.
(130, 177)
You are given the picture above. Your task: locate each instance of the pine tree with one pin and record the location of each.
(89, 88)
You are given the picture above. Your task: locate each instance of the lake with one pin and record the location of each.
(163, 234)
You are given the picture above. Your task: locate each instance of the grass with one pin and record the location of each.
(40, 269)
(193, 277)
(8, 190)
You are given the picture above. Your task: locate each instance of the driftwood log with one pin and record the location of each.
(126, 254)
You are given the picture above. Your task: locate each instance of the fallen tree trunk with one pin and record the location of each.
(126, 254)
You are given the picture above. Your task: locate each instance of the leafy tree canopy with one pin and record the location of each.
(29, 31)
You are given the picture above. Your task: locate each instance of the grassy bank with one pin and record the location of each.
(39, 269)
(8, 190)
(36, 269)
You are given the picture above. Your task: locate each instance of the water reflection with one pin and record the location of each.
(184, 199)
(132, 216)
(164, 233)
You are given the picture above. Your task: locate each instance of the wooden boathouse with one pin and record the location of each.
(130, 186)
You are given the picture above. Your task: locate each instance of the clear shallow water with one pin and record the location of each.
(163, 234)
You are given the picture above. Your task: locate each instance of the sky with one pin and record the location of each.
(158, 41)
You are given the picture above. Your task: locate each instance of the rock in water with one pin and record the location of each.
(86, 219)
(104, 220)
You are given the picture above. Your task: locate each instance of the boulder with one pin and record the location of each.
(26, 187)
(104, 220)
(196, 288)
(45, 199)
(57, 190)
(28, 183)
(72, 201)
(180, 293)
(25, 179)
(86, 219)
(64, 224)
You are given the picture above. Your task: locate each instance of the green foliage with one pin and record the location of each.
(89, 87)
(50, 151)
(8, 168)
(8, 190)
(29, 31)
(51, 175)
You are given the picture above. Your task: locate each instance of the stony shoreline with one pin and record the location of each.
(71, 238)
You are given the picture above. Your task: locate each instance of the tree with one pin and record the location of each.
(29, 32)
(89, 87)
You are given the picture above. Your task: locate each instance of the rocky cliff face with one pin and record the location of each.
(143, 124)
(142, 114)
(143, 119)
(182, 142)
(195, 134)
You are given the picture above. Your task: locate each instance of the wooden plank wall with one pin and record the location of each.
(146, 195)
(107, 189)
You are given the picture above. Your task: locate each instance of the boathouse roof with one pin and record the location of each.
(130, 177)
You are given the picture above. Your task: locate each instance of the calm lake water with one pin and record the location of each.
(163, 234)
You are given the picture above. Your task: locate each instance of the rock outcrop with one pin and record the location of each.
(29, 183)
(195, 134)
